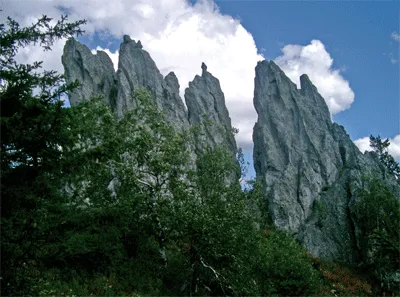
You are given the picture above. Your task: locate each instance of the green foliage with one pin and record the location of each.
(163, 229)
(95, 204)
(320, 211)
(381, 148)
(32, 128)
(31, 113)
(220, 236)
(285, 269)
(339, 279)
(257, 204)
(379, 215)
(123, 180)
(52, 283)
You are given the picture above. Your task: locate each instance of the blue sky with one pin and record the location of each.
(357, 34)
(350, 49)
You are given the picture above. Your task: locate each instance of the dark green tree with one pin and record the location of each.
(32, 129)
(123, 187)
(378, 214)
(190, 229)
(221, 237)
(133, 208)
(88, 198)
(381, 148)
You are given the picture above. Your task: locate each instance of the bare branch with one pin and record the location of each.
(217, 275)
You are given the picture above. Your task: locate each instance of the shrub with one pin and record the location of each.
(321, 212)
(340, 280)
(285, 268)
(378, 216)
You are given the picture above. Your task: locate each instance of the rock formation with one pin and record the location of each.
(95, 73)
(309, 167)
(136, 69)
(206, 104)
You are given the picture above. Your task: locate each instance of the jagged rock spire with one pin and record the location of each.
(304, 160)
(136, 69)
(203, 67)
(206, 101)
(95, 72)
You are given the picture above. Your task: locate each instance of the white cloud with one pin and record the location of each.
(316, 62)
(363, 144)
(393, 60)
(179, 37)
(51, 59)
(113, 55)
(395, 36)
(394, 148)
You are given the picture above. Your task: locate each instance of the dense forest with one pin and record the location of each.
(92, 204)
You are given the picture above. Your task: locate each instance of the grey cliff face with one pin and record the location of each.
(206, 107)
(293, 150)
(136, 69)
(95, 72)
(309, 167)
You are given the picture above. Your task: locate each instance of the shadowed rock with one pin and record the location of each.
(309, 167)
(95, 72)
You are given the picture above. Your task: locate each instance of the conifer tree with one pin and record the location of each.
(381, 148)
(32, 129)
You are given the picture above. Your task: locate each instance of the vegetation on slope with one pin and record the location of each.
(92, 204)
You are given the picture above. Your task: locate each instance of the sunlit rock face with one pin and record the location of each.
(206, 109)
(309, 167)
(206, 103)
(94, 72)
(136, 69)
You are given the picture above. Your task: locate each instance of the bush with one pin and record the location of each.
(378, 216)
(341, 280)
(321, 212)
(285, 268)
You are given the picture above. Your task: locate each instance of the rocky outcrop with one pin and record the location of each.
(206, 109)
(309, 167)
(292, 148)
(136, 69)
(95, 73)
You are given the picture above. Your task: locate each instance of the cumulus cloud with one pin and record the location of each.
(363, 144)
(51, 59)
(114, 56)
(178, 35)
(316, 62)
(395, 36)
(394, 148)
(393, 60)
